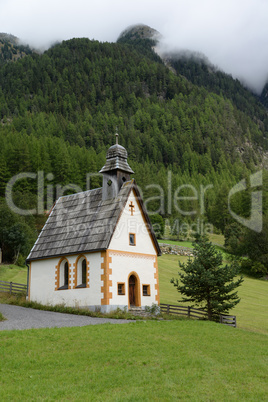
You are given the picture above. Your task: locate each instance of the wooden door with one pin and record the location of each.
(132, 282)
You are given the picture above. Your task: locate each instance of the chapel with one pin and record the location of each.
(98, 249)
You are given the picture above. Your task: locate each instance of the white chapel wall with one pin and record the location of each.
(42, 283)
(132, 224)
(122, 265)
(140, 258)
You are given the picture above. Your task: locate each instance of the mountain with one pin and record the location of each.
(264, 96)
(11, 49)
(180, 120)
(139, 32)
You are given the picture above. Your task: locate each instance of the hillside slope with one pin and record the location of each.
(11, 49)
(59, 112)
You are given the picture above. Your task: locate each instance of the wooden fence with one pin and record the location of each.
(12, 288)
(228, 320)
(195, 313)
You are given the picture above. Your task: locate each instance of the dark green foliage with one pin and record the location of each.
(256, 247)
(198, 70)
(59, 111)
(10, 50)
(234, 235)
(158, 224)
(16, 234)
(244, 242)
(204, 282)
(253, 268)
(264, 95)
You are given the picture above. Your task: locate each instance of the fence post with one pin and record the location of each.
(168, 309)
(189, 311)
(10, 288)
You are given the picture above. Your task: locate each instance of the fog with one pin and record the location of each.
(232, 34)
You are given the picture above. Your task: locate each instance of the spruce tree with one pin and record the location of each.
(205, 282)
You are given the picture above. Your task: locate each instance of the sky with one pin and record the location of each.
(233, 34)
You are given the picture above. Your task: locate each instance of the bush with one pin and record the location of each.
(21, 261)
(253, 268)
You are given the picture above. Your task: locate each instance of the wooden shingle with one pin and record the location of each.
(82, 222)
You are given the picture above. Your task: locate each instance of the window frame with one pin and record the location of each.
(63, 275)
(123, 288)
(148, 290)
(79, 267)
(134, 239)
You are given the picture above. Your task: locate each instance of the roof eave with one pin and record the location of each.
(60, 255)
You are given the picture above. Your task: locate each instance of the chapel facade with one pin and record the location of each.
(98, 249)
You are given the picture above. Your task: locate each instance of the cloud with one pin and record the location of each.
(232, 34)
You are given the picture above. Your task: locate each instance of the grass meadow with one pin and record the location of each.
(251, 312)
(13, 273)
(142, 361)
(145, 360)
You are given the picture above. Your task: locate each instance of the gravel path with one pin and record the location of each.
(27, 318)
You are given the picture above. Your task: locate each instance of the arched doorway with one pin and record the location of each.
(133, 290)
(132, 283)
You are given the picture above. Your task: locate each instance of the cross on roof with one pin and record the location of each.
(116, 137)
(131, 208)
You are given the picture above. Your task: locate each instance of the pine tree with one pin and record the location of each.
(204, 282)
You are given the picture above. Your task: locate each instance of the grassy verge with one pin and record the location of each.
(251, 312)
(21, 301)
(141, 361)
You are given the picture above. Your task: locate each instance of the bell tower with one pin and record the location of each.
(115, 171)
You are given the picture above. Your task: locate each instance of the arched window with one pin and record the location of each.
(84, 272)
(62, 275)
(81, 272)
(66, 274)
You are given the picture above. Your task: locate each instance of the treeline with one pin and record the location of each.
(200, 72)
(10, 50)
(59, 112)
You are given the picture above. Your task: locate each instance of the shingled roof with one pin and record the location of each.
(82, 222)
(116, 158)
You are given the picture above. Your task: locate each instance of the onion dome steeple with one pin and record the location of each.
(115, 171)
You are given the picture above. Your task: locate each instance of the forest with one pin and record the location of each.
(183, 127)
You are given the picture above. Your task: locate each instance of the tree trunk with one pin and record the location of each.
(16, 256)
(210, 312)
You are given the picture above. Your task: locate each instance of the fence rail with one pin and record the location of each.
(183, 310)
(12, 287)
(195, 313)
(228, 320)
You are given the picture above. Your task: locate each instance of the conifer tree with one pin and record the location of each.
(205, 282)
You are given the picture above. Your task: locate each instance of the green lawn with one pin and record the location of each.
(143, 361)
(178, 243)
(216, 239)
(13, 273)
(251, 312)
